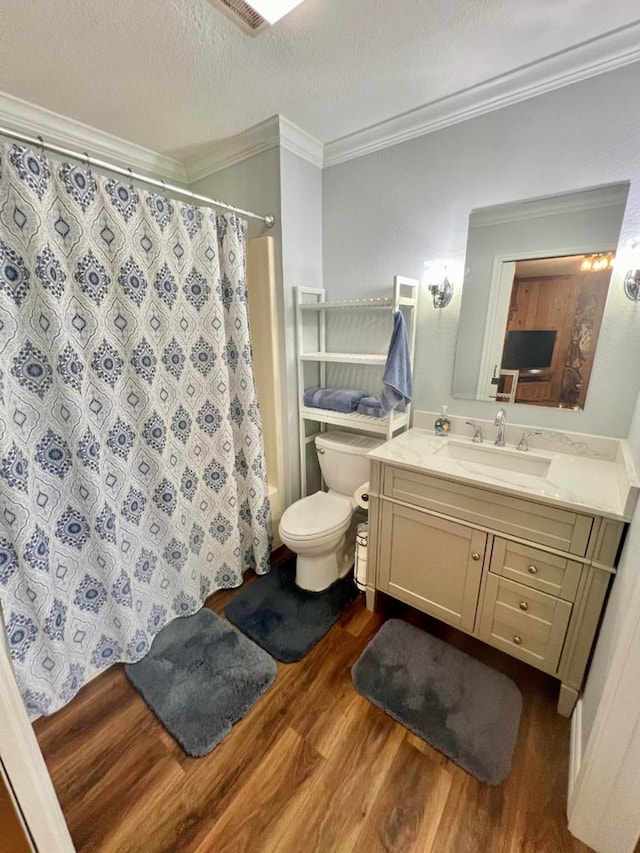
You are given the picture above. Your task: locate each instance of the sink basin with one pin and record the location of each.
(518, 462)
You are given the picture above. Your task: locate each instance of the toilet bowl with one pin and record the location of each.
(320, 528)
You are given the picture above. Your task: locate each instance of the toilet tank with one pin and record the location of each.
(343, 459)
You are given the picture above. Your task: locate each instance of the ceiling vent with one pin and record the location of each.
(242, 14)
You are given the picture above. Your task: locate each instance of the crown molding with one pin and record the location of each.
(227, 152)
(271, 133)
(20, 115)
(588, 59)
(301, 143)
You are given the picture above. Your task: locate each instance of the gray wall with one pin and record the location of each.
(283, 184)
(301, 188)
(253, 184)
(394, 210)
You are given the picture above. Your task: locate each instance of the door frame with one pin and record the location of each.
(24, 766)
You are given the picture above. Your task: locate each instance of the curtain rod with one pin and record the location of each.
(38, 142)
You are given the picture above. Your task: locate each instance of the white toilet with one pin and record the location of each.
(318, 528)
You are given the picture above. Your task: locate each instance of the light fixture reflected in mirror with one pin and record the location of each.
(598, 262)
(632, 285)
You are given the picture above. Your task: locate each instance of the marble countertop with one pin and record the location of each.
(607, 487)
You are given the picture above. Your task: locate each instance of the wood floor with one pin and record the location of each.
(12, 836)
(313, 767)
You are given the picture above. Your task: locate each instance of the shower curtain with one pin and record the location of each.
(132, 477)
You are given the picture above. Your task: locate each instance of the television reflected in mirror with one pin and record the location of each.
(528, 350)
(534, 296)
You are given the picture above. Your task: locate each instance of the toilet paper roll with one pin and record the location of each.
(361, 495)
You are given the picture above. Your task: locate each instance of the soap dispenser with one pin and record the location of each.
(443, 424)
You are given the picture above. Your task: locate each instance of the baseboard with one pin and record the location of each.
(575, 747)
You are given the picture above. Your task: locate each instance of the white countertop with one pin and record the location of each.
(582, 483)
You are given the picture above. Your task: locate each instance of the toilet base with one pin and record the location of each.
(315, 573)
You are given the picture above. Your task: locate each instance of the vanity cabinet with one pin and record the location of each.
(524, 576)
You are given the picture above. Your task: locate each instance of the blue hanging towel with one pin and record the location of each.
(396, 380)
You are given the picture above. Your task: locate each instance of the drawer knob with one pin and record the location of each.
(517, 640)
(532, 569)
(524, 605)
(475, 556)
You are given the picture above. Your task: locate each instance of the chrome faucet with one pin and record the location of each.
(477, 432)
(501, 423)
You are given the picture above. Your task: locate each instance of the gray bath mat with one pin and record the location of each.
(457, 704)
(200, 677)
(285, 620)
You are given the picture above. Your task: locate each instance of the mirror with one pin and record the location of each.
(534, 296)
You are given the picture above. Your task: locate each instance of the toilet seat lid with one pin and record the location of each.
(316, 515)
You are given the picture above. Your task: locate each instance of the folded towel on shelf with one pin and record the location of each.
(336, 399)
(373, 406)
(373, 401)
(396, 380)
(373, 411)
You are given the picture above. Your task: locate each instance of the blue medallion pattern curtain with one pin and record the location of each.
(132, 480)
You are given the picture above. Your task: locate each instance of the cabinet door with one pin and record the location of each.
(432, 564)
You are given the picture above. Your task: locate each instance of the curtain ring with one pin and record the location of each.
(87, 163)
(130, 176)
(41, 141)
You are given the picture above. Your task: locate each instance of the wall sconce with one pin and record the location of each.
(632, 285)
(441, 293)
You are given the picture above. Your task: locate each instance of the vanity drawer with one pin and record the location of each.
(557, 528)
(523, 622)
(549, 573)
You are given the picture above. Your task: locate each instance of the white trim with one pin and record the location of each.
(271, 133)
(299, 142)
(603, 806)
(227, 152)
(25, 767)
(502, 276)
(575, 747)
(603, 801)
(604, 53)
(22, 116)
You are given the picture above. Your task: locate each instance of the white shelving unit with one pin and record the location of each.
(311, 301)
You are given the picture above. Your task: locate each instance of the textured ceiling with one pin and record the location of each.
(173, 75)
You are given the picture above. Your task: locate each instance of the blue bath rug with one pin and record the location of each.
(200, 677)
(285, 620)
(454, 702)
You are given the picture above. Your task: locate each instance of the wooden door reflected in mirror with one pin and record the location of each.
(554, 319)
